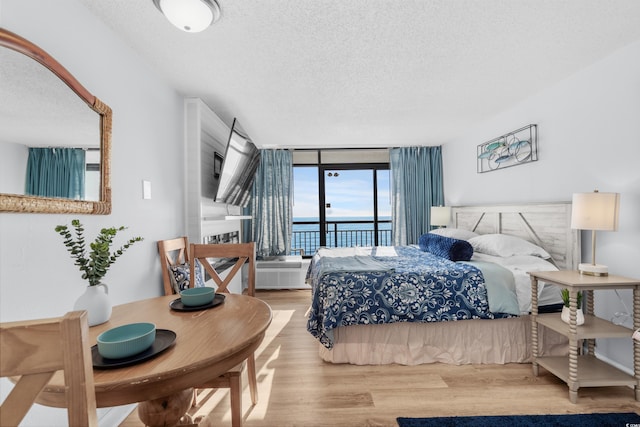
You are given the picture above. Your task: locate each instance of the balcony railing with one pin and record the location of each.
(339, 234)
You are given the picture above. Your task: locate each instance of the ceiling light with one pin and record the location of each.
(191, 16)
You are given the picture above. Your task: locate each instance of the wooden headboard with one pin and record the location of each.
(547, 225)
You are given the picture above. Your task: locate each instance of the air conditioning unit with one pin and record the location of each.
(281, 272)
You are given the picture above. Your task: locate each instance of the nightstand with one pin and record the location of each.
(584, 370)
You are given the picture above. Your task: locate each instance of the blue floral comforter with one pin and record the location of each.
(391, 284)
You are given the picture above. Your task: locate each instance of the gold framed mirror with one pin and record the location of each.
(41, 103)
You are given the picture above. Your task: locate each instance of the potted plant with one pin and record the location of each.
(565, 309)
(94, 265)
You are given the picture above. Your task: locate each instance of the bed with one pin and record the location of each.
(409, 305)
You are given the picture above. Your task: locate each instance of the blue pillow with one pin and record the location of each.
(446, 247)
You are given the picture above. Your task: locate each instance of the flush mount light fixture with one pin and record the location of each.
(191, 16)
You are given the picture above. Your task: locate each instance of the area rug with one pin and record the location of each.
(573, 420)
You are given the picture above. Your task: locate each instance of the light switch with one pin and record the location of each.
(146, 189)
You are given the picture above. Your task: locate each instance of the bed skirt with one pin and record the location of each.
(495, 341)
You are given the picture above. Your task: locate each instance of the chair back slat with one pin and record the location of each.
(34, 350)
(244, 253)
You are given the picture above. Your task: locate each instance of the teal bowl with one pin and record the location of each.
(197, 296)
(126, 340)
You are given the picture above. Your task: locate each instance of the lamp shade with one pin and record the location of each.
(440, 215)
(595, 211)
(189, 15)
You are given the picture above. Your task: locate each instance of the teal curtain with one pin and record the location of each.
(417, 185)
(270, 204)
(56, 172)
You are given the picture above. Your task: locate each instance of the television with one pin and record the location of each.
(239, 165)
(211, 167)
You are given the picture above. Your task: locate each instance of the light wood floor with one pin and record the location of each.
(296, 388)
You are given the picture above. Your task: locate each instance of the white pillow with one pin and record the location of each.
(454, 233)
(503, 245)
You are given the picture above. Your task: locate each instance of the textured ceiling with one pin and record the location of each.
(38, 109)
(367, 73)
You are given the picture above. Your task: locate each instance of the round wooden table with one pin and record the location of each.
(208, 343)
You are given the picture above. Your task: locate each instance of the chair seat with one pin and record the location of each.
(239, 367)
(224, 378)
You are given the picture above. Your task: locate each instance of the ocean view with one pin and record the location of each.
(340, 232)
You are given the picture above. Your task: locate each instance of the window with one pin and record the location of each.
(340, 204)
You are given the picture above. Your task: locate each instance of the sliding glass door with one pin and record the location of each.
(352, 206)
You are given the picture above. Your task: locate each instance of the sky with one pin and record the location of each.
(350, 193)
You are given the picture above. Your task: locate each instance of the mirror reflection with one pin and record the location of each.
(55, 136)
(41, 116)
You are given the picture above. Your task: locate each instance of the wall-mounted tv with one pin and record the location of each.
(211, 166)
(241, 160)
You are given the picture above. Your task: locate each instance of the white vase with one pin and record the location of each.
(95, 300)
(566, 314)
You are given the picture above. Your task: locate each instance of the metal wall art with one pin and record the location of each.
(511, 149)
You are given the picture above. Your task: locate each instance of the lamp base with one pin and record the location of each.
(593, 269)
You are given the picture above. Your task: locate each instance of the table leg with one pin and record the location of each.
(167, 411)
(591, 343)
(573, 347)
(534, 325)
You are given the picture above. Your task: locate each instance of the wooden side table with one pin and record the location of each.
(592, 371)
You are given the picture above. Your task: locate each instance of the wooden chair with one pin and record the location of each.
(245, 253)
(178, 251)
(172, 252)
(33, 350)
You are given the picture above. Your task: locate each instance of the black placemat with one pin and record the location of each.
(164, 339)
(177, 304)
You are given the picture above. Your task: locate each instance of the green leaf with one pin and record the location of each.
(95, 265)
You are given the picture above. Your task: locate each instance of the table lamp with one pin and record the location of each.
(440, 215)
(595, 211)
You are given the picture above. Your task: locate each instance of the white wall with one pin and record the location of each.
(37, 276)
(588, 139)
(147, 145)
